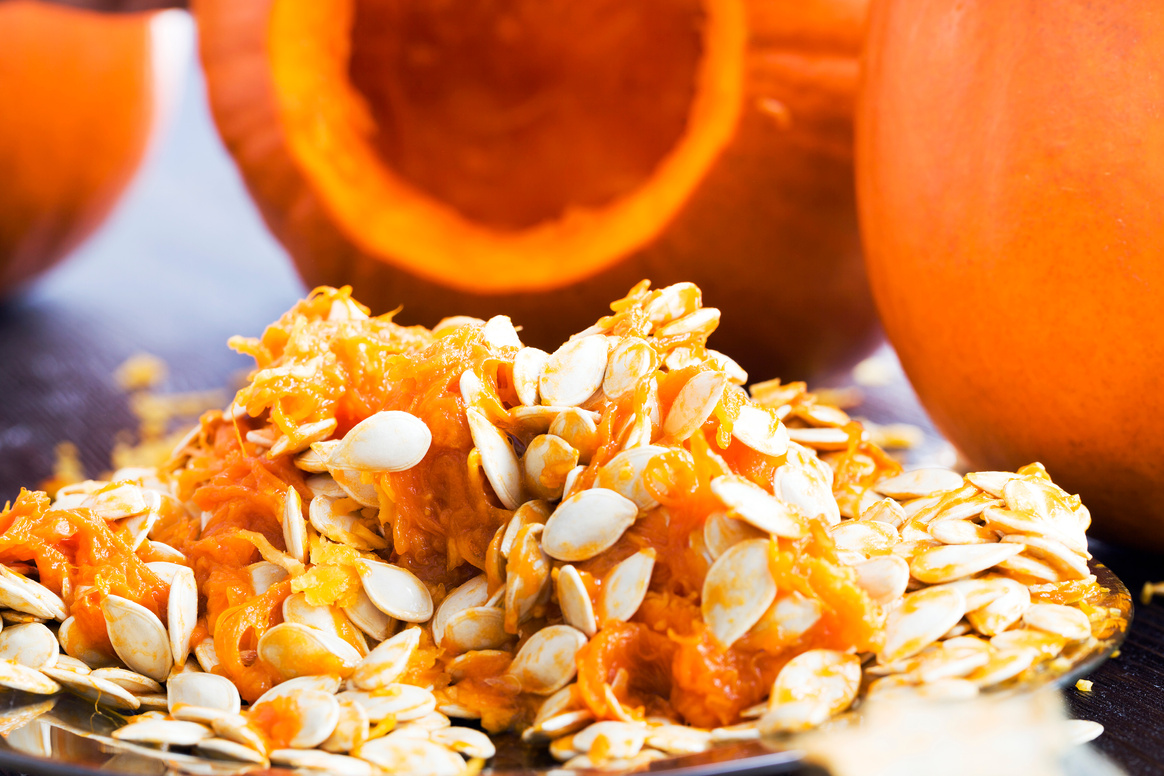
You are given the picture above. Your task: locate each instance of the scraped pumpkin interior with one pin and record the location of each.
(471, 144)
(474, 107)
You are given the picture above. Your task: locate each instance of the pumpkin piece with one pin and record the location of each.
(1008, 185)
(461, 157)
(83, 92)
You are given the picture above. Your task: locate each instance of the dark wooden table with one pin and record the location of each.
(185, 262)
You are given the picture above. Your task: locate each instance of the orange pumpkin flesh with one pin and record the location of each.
(1010, 162)
(78, 91)
(454, 157)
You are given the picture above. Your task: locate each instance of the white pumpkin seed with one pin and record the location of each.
(579, 430)
(328, 516)
(208, 691)
(547, 461)
(395, 591)
(614, 739)
(990, 482)
(162, 732)
(761, 430)
(265, 575)
(499, 333)
(130, 681)
(528, 365)
(29, 644)
(298, 650)
(955, 561)
(574, 599)
(315, 457)
(1065, 621)
(625, 586)
(545, 663)
(918, 483)
(138, 637)
(694, 404)
(309, 760)
(475, 628)
(752, 504)
(20, 677)
(182, 613)
(384, 664)
(412, 757)
(587, 523)
(631, 360)
(624, 474)
(351, 730)
(225, 749)
(388, 441)
(473, 593)
(884, 578)
(365, 616)
(305, 436)
(574, 372)
(527, 576)
(737, 590)
(1002, 612)
(294, 526)
(24, 595)
(823, 678)
(402, 701)
(922, 618)
(1047, 645)
(502, 467)
(97, 690)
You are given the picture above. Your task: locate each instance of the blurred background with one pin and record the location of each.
(175, 257)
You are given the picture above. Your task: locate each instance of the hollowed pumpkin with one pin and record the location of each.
(540, 157)
(78, 90)
(1011, 159)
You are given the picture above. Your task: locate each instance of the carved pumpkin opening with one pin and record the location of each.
(404, 113)
(473, 105)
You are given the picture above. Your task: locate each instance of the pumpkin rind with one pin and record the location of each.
(1010, 162)
(767, 230)
(79, 105)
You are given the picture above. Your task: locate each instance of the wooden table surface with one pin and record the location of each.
(185, 262)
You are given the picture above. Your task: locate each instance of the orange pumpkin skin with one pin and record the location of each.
(77, 92)
(1010, 164)
(769, 232)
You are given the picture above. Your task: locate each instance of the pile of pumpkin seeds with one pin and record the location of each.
(963, 568)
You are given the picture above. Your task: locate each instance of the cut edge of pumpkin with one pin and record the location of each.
(328, 130)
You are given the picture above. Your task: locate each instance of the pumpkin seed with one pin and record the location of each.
(395, 591)
(237, 728)
(1002, 612)
(315, 458)
(919, 483)
(1002, 666)
(805, 482)
(205, 654)
(297, 650)
(402, 701)
(138, 637)
(24, 595)
(755, 506)
(610, 739)
(587, 523)
(810, 688)
(294, 526)
(700, 323)
(384, 665)
(351, 730)
(1065, 621)
(631, 360)
(365, 616)
(528, 364)
(672, 302)
(502, 468)
(820, 438)
(527, 576)
(357, 485)
(412, 757)
(29, 644)
(574, 600)
(315, 716)
(961, 532)
(182, 613)
(465, 741)
(545, 663)
(694, 404)
(388, 441)
(208, 691)
(737, 590)
(954, 561)
(761, 430)
(162, 732)
(225, 749)
(474, 628)
(578, 429)
(98, 690)
(16, 676)
(306, 435)
(1047, 645)
(624, 474)
(311, 760)
(865, 537)
(721, 532)
(499, 333)
(547, 461)
(574, 372)
(624, 588)
(1081, 731)
(922, 618)
(328, 516)
(130, 681)
(990, 482)
(1069, 564)
(884, 578)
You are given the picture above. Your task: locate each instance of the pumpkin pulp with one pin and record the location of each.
(471, 145)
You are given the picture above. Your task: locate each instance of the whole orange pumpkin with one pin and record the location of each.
(1010, 170)
(538, 158)
(78, 90)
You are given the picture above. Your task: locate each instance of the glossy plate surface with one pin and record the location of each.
(64, 734)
